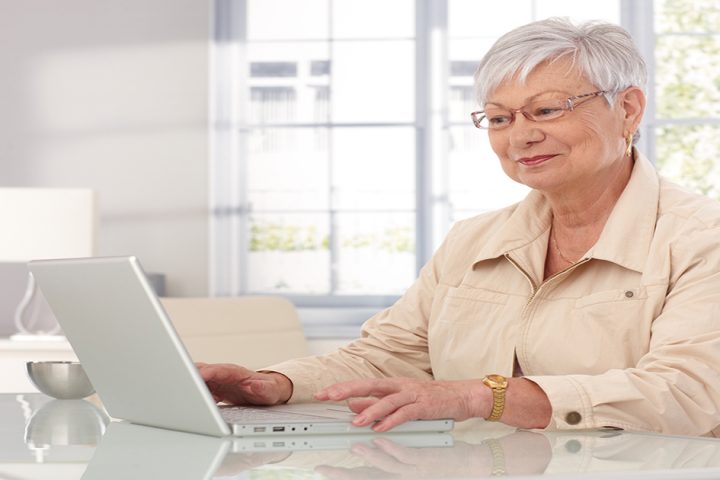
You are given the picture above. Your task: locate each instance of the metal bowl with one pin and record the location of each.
(62, 380)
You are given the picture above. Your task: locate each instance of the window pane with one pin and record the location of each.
(373, 81)
(289, 254)
(464, 56)
(287, 169)
(289, 83)
(688, 154)
(477, 183)
(373, 19)
(687, 73)
(473, 18)
(300, 19)
(376, 253)
(373, 168)
(687, 16)
(606, 10)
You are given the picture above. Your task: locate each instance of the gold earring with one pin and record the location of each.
(628, 141)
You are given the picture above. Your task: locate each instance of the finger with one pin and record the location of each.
(354, 388)
(360, 388)
(357, 405)
(225, 372)
(382, 408)
(401, 415)
(210, 372)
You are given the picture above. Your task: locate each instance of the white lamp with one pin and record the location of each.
(44, 223)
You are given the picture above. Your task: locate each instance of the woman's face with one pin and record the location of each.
(581, 148)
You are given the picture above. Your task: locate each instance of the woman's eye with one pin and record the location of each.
(546, 111)
(498, 120)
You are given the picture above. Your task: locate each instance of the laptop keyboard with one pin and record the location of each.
(237, 414)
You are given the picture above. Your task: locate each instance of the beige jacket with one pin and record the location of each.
(628, 337)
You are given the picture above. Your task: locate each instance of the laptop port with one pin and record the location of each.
(258, 429)
(278, 429)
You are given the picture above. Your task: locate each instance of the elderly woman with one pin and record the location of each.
(594, 302)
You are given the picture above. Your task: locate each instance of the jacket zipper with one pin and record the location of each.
(534, 290)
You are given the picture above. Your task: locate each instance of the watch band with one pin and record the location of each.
(498, 384)
(498, 457)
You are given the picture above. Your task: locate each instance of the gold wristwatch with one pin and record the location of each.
(498, 384)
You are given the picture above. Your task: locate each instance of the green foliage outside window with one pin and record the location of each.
(689, 155)
(294, 238)
(687, 16)
(687, 83)
(394, 240)
(286, 238)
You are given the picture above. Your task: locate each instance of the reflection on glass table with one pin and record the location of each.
(481, 449)
(64, 423)
(145, 453)
(45, 438)
(41, 438)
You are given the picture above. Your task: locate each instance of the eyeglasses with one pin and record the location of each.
(499, 117)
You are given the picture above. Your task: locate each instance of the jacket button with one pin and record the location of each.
(629, 294)
(573, 418)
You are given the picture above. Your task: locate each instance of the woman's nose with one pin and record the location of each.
(524, 132)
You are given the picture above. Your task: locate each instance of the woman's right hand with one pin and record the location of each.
(239, 386)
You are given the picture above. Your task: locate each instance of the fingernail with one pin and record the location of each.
(379, 427)
(360, 419)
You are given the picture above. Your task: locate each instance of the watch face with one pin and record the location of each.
(498, 379)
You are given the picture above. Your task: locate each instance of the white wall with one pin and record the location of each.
(113, 95)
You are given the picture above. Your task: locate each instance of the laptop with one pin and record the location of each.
(140, 368)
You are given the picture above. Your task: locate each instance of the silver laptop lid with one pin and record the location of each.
(127, 344)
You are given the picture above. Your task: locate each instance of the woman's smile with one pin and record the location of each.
(535, 160)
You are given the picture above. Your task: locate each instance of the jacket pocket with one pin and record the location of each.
(462, 304)
(613, 327)
(472, 333)
(618, 296)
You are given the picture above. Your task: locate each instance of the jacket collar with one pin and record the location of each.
(625, 239)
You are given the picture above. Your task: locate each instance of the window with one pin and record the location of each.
(686, 123)
(343, 146)
(316, 159)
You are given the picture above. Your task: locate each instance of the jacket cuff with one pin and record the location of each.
(305, 385)
(571, 406)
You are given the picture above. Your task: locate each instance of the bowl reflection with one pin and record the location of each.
(66, 422)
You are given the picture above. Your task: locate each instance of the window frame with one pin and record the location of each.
(229, 208)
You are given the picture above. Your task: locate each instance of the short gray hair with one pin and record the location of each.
(603, 52)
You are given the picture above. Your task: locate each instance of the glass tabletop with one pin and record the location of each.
(73, 439)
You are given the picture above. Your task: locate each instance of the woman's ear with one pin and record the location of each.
(632, 101)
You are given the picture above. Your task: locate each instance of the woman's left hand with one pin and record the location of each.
(392, 401)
